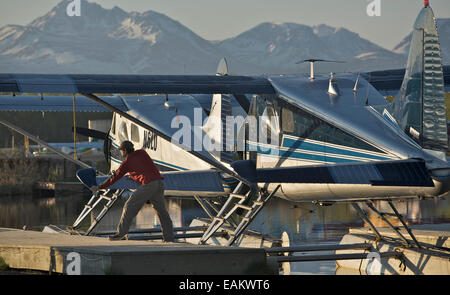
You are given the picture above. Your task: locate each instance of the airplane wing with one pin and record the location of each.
(58, 103)
(178, 183)
(133, 84)
(389, 82)
(383, 173)
(88, 85)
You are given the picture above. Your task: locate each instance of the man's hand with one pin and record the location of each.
(94, 188)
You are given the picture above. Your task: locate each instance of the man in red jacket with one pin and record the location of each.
(140, 168)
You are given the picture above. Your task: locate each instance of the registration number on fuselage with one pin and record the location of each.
(150, 140)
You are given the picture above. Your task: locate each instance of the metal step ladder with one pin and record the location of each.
(109, 196)
(225, 214)
(382, 215)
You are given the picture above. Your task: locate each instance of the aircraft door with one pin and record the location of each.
(263, 134)
(107, 143)
(119, 133)
(269, 136)
(122, 131)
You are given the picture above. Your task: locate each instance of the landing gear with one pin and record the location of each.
(383, 215)
(252, 202)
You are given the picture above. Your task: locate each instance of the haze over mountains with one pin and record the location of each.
(113, 41)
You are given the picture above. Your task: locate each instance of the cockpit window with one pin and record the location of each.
(302, 124)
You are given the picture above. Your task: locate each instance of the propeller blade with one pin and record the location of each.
(91, 133)
(321, 60)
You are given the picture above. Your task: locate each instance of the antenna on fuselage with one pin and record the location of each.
(222, 68)
(168, 104)
(355, 88)
(311, 65)
(368, 90)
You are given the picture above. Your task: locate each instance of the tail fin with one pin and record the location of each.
(420, 107)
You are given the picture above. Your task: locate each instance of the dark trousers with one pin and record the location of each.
(153, 192)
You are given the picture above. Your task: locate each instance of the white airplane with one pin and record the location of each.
(332, 137)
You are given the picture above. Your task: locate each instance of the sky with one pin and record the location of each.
(221, 19)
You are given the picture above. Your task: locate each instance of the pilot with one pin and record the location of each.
(140, 168)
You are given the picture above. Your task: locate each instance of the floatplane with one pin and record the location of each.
(304, 138)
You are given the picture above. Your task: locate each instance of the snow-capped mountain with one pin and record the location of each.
(443, 25)
(113, 41)
(104, 41)
(275, 44)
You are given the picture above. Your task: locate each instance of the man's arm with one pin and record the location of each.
(123, 169)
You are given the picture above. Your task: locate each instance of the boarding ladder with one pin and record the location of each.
(251, 202)
(395, 213)
(110, 196)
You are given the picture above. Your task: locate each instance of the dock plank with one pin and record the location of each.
(49, 252)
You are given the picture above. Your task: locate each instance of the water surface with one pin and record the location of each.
(305, 223)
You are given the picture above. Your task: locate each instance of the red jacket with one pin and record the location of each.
(139, 166)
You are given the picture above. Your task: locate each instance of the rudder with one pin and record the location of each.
(420, 107)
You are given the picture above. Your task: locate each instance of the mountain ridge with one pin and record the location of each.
(106, 41)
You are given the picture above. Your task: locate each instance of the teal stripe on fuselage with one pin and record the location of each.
(295, 154)
(169, 165)
(316, 152)
(289, 143)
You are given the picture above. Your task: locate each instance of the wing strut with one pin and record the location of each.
(382, 215)
(251, 203)
(43, 143)
(164, 136)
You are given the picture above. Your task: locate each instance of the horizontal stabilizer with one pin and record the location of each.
(389, 173)
(178, 183)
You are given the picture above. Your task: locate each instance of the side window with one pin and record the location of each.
(115, 153)
(123, 132)
(134, 133)
(307, 126)
(257, 106)
(269, 125)
(287, 120)
(297, 122)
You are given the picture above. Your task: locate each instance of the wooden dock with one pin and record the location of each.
(63, 253)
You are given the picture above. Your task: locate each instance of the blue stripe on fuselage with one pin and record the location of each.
(298, 143)
(300, 149)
